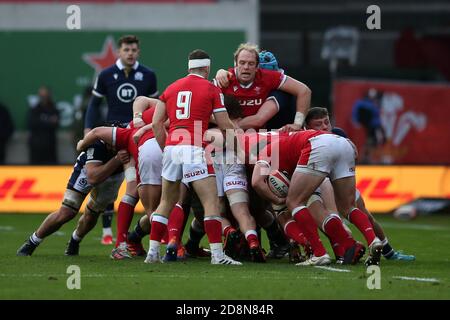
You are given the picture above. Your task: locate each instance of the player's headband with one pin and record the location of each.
(199, 63)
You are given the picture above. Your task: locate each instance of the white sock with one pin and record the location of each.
(107, 232)
(154, 247)
(35, 239)
(75, 236)
(216, 250)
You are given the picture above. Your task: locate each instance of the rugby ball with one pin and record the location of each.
(278, 183)
(405, 212)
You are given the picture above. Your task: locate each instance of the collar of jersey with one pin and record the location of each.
(194, 74)
(120, 65)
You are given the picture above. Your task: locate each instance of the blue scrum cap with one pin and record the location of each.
(268, 61)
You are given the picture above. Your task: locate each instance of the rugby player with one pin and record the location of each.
(120, 84)
(98, 173)
(189, 103)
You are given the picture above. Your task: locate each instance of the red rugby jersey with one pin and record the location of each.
(252, 97)
(190, 101)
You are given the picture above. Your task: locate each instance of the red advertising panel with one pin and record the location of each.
(395, 122)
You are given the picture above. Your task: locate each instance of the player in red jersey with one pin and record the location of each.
(252, 85)
(312, 156)
(188, 103)
(318, 119)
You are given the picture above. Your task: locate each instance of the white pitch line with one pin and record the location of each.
(332, 269)
(6, 228)
(416, 279)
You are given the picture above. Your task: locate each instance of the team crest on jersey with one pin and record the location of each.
(90, 153)
(126, 92)
(257, 89)
(115, 75)
(82, 182)
(235, 88)
(138, 76)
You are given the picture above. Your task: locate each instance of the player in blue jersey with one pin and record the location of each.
(120, 84)
(97, 172)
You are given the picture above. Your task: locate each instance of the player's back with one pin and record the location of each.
(190, 101)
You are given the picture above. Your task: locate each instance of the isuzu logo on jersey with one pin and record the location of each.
(126, 92)
(195, 173)
(236, 183)
(251, 102)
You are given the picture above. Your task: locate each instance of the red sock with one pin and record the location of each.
(165, 238)
(186, 210)
(339, 238)
(227, 230)
(292, 230)
(213, 229)
(124, 217)
(175, 225)
(309, 229)
(159, 227)
(362, 222)
(252, 238)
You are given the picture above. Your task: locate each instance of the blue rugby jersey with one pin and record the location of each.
(120, 91)
(97, 152)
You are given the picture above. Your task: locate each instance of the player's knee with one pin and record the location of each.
(291, 203)
(238, 197)
(95, 208)
(65, 214)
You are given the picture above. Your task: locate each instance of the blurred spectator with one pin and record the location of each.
(43, 123)
(366, 113)
(6, 131)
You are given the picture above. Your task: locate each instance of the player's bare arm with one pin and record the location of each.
(259, 178)
(303, 94)
(99, 133)
(159, 117)
(97, 172)
(139, 133)
(267, 111)
(222, 78)
(141, 104)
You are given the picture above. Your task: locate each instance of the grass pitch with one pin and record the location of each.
(44, 275)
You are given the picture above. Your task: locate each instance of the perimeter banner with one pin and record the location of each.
(27, 189)
(395, 122)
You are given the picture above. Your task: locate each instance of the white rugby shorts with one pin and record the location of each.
(329, 155)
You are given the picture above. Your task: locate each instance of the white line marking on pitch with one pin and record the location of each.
(332, 269)
(416, 279)
(6, 228)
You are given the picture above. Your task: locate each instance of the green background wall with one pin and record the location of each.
(32, 59)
